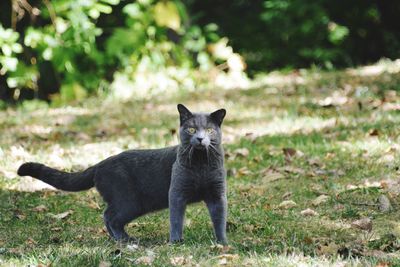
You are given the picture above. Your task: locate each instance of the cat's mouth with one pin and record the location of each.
(200, 147)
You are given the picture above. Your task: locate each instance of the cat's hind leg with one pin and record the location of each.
(115, 221)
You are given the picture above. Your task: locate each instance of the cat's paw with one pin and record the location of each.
(176, 241)
(223, 242)
(127, 240)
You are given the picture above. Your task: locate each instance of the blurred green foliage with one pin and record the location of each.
(67, 44)
(68, 49)
(280, 34)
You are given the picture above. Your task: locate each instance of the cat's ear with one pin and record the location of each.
(184, 113)
(218, 116)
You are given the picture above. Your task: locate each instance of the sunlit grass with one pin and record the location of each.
(341, 150)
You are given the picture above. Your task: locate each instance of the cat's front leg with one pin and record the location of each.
(218, 211)
(177, 206)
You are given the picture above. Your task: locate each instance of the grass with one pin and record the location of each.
(289, 137)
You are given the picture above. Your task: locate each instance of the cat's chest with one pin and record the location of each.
(203, 184)
(198, 182)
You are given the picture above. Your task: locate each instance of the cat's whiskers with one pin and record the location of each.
(215, 150)
(186, 149)
(190, 155)
(208, 156)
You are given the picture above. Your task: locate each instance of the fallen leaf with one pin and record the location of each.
(269, 175)
(258, 158)
(30, 241)
(223, 261)
(319, 200)
(105, 264)
(363, 224)
(335, 100)
(40, 208)
(328, 250)
(289, 152)
(339, 207)
(172, 131)
(16, 251)
(291, 169)
(145, 260)
(316, 162)
(101, 230)
(388, 158)
(330, 155)
(373, 132)
(383, 263)
(390, 106)
(244, 171)
(132, 247)
(287, 204)
(286, 195)
(384, 203)
(229, 155)
(177, 261)
(94, 205)
(308, 212)
(231, 172)
(242, 152)
(181, 260)
(61, 215)
(218, 247)
(225, 258)
(19, 215)
(367, 184)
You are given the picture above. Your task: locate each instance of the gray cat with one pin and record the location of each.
(137, 182)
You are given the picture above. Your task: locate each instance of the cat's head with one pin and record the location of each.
(200, 130)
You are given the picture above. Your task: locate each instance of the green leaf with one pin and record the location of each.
(103, 8)
(111, 2)
(132, 10)
(337, 33)
(7, 51)
(9, 63)
(166, 15)
(16, 48)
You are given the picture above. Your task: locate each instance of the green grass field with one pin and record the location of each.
(325, 141)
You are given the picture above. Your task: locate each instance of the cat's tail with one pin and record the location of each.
(76, 181)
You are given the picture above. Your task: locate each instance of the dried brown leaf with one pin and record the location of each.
(319, 200)
(105, 264)
(224, 259)
(330, 249)
(61, 215)
(241, 152)
(244, 171)
(287, 204)
(94, 205)
(309, 212)
(181, 260)
(40, 208)
(384, 203)
(291, 169)
(30, 241)
(289, 152)
(269, 175)
(373, 132)
(145, 260)
(363, 224)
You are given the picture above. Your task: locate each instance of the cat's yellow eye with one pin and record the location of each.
(191, 130)
(210, 130)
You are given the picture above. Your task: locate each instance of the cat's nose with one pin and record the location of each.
(200, 139)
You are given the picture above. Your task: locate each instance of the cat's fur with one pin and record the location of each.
(137, 182)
